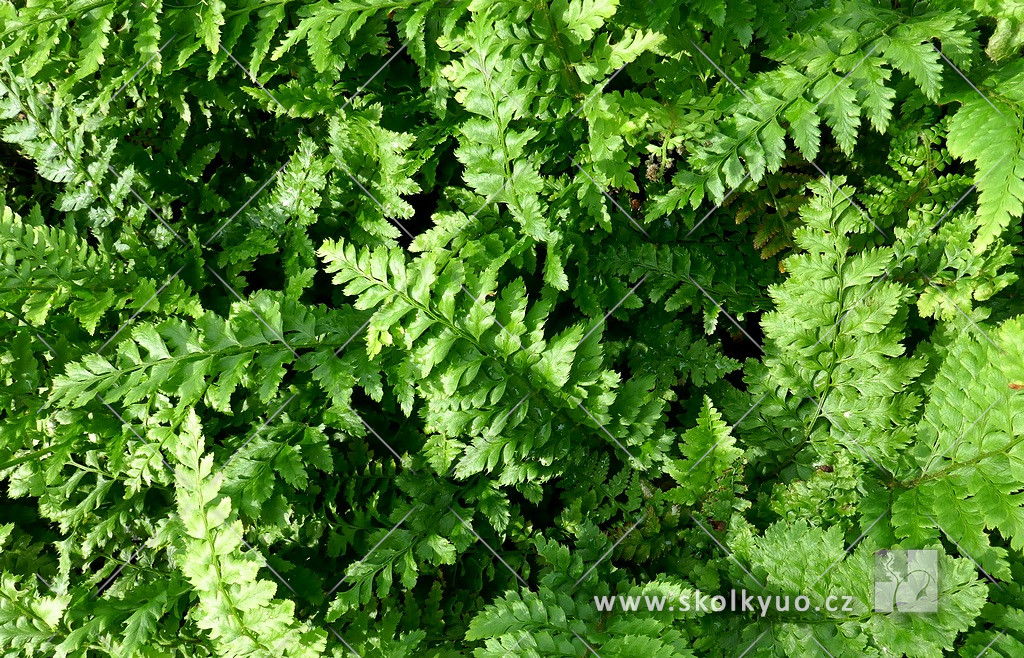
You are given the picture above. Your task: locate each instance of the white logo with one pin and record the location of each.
(906, 580)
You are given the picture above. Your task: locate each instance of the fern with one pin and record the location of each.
(865, 45)
(389, 328)
(238, 611)
(433, 312)
(996, 151)
(968, 444)
(47, 269)
(835, 338)
(551, 621)
(815, 561)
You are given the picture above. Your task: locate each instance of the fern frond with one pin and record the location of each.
(969, 447)
(235, 607)
(988, 132)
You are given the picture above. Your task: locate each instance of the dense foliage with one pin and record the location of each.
(389, 328)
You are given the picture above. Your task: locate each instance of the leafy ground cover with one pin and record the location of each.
(387, 328)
